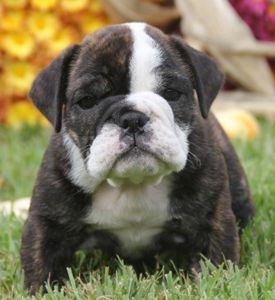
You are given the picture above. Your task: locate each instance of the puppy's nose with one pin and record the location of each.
(133, 121)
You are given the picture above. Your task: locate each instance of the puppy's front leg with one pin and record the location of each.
(47, 249)
(224, 243)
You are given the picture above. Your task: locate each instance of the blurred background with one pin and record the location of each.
(238, 34)
(32, 33)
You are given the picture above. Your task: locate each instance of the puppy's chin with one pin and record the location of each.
(137, 167)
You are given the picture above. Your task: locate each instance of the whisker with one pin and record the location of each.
(196, 145)
(194, 159)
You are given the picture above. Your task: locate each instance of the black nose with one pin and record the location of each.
(133, 121)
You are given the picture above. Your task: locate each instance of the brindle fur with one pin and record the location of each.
(207, 198)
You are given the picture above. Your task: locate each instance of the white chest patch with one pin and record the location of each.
(134, 215)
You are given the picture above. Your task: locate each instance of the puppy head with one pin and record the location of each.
(125, 100)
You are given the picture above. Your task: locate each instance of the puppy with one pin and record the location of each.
(136, 166)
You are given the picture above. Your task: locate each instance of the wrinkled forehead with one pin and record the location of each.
(131, 53)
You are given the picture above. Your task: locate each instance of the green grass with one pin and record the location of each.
(20, 154)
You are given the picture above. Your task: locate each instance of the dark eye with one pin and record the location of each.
(172, 95)
(86, 102)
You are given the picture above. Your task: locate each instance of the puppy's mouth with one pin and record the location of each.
(135, 151)
(137, 165)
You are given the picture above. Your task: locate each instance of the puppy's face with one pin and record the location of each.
(127, 99)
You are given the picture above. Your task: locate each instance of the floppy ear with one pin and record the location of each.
(48, 91)
(207, 78)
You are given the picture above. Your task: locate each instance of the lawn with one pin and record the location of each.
(20, 154)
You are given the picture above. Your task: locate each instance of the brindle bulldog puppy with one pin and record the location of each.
(137, 166)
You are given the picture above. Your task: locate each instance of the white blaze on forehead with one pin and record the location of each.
(145, 58)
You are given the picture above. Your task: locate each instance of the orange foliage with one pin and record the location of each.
(32, 33)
